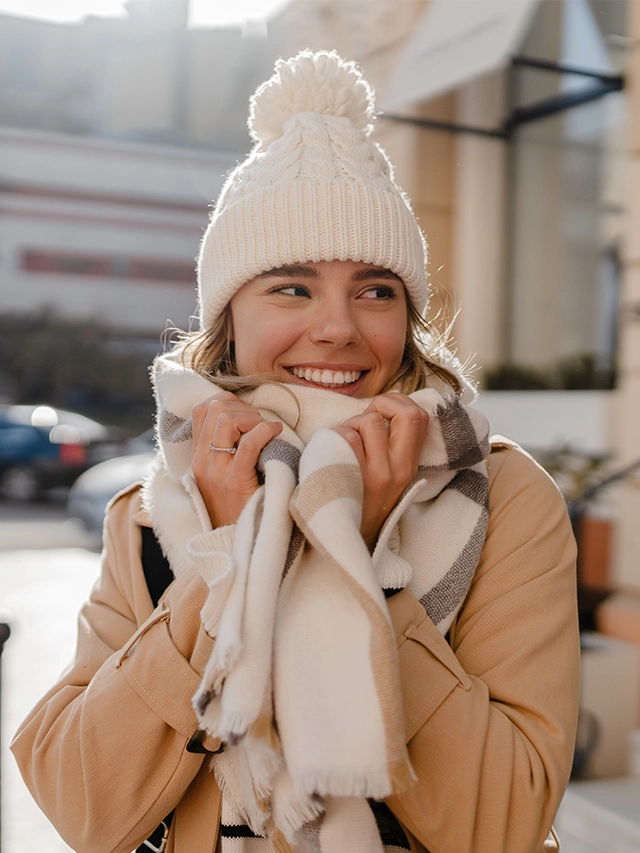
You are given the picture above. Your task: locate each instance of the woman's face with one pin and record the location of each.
(333, 324)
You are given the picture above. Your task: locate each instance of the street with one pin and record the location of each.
(47, 566)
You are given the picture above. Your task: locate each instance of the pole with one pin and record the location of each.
(5, 632)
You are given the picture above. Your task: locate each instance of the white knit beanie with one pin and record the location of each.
(315, 187)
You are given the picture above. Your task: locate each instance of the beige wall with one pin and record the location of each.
(627, 566)
(425, 167)
(479, 224)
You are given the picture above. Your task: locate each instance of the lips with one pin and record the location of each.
(326, 377)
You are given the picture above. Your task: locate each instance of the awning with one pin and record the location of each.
(454, 42)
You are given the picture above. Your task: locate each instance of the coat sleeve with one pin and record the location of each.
(103, 753)
(491, 717)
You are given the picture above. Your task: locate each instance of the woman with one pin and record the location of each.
(371, 637)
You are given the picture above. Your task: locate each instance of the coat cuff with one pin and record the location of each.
(149, 662)
(424, 658)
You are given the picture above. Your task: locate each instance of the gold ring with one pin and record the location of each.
(230, 450)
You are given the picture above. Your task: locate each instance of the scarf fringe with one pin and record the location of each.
(291, 813)
(371, 785)
(232, 773)
(264, 763)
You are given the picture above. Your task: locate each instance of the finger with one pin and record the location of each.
(221, 423)
(254, 441)
(408, 422)
(391, 404)
(353, 439)
(223, 401)
(372, 430)
(229, 427)
(203, 453)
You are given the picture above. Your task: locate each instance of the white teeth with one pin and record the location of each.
(326, 377)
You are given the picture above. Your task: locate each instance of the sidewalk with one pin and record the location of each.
(43, 590)
(601, 816)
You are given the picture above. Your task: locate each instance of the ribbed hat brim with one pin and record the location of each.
(308, 220)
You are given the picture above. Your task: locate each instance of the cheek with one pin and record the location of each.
(390, 343)
(259, 341)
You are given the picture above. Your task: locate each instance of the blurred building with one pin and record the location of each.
(115, 137)
(103, 230)
(142, 78)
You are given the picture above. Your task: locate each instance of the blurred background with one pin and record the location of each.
(514, 126)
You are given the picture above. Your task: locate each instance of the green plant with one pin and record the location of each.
(574, 471)
(514, 377)
(583, 372)
(580, 372)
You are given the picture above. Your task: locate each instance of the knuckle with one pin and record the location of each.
(374, 419)
(352, 438)
(415, 415)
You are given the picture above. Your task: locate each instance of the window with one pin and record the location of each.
(567, 192)
(107, 266)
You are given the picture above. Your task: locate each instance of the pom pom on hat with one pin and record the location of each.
(314, 188)
(321, 83)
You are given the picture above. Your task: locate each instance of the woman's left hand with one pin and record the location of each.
(387, 438)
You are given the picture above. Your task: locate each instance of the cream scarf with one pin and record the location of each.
(303, 681)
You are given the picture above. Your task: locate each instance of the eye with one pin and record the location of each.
(380, 291)
(291, 290)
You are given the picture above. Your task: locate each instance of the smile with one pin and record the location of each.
(330, 378)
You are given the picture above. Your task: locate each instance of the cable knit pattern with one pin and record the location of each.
(314, 188)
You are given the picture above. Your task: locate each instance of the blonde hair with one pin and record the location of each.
(211, 353)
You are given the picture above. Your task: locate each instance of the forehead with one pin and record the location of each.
(357, 270)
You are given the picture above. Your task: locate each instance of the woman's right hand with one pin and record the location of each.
(226, 481)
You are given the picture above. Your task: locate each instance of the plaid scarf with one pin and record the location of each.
(303, 681)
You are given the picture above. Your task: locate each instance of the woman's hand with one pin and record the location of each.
(226, 481)
(387, 439)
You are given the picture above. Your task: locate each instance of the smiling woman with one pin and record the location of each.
(331, 589)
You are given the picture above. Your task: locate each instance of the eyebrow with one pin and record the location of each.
(292, 271)
(376, 273)
(302, 271)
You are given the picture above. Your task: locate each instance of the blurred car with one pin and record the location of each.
(42, 447)
(92, 491)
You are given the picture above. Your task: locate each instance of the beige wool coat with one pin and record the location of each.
(490, 715)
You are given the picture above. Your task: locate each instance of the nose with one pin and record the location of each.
(335, 323)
